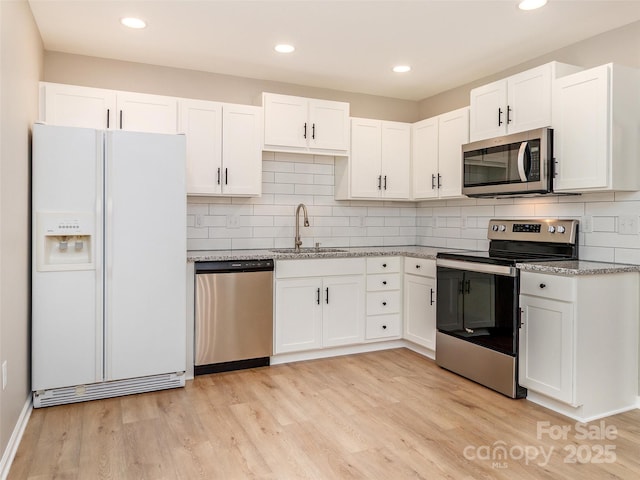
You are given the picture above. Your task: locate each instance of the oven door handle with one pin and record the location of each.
(504, 270)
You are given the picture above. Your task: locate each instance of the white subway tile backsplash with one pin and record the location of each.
(268, 221)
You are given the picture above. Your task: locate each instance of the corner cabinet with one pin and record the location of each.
(437, 155)
(77, 106)
(319, 303)
(224, 148)
(380, 161)
(596, 120)
(305, 125)
(420, 301)
(515, 104)
(579, 342)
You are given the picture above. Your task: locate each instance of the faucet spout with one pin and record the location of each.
(298, 241)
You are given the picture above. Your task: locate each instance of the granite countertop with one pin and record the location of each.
(343, 252)
(576, 267)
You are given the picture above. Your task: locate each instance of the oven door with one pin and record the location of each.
(478, 302)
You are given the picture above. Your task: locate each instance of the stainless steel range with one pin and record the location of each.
(478, 314)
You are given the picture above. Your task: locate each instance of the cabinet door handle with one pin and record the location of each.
(431, 296)
(499, 116)
(433, 181)
(520, 322)
(554, 167)
(439, 182)
(385, 182)
(313, 131)
(108, 115)
(120, 119)
(305, 130)
(327, 297)
(218, 175)
(379, 182)
(508, 114)
(226, 176)
(318, 296)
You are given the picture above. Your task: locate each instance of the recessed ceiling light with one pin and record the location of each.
(284, 48)
(132, 22)
(401, 68)
(531, 4)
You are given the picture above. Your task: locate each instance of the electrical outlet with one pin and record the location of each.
(4, 375)
(586, 224)
(199, 220)
(233, 221)
(628, 224)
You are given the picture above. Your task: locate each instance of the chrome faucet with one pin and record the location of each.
(306, 224)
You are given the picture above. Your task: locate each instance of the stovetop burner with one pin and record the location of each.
(513, 241)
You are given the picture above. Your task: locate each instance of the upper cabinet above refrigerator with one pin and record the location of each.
(515, 104)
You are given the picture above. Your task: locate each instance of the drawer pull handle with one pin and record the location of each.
(384, 282)
(418, 266)
(384, 265)
(384, 327)
(384, 304)
(542, 285)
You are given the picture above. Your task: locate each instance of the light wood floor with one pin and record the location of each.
(384, 415)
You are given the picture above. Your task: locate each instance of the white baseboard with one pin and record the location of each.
(14, 441)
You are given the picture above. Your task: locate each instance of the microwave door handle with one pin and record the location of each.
(521, 159)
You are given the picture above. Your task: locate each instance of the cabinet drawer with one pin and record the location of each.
(382, 326)
(420, 266)
(548, 286)
(380, 303)
(382, 282)
(383, 264)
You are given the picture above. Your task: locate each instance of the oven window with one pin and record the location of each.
(478, 307)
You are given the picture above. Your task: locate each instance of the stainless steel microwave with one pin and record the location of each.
(516, 164)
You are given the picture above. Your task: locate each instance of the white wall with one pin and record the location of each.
(21, 69)
(269, 221)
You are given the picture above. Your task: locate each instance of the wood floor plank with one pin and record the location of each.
(381, 415)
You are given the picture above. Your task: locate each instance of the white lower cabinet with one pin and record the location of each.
(579, 342)
(319, 303)
(420, 301)
(384, 298)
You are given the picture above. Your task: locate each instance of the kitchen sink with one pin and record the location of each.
(307, 250)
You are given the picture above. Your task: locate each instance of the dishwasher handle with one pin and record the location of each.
(230, 266)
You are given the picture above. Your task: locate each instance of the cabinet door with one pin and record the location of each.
(366, 151)
(547, 347)
(328, 126)
(581, 134)
(242, 149)
(396, 159)
(298, 322)
(285, 118)
(529, 99)
(420, 310)
(343, 310)
(453, 133)
(74, 106)
(425, 159)
(201, 122)
(488, 111)
(141, 112)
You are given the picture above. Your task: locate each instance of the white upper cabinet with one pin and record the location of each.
(380, 159)
(596, 119)
(77, 106)
(298, 124)
(437, 155)
(515, 104)
(224, 148)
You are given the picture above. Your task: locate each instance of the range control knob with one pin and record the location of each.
(494, 228)
(561, 229)
(502, 228)
(552, 229)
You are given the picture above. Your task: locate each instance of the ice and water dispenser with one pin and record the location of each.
(65, 241)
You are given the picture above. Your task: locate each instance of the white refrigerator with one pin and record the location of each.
(108, 263)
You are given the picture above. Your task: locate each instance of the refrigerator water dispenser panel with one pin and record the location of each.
(65, 241)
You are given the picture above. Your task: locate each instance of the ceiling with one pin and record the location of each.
(343, 45)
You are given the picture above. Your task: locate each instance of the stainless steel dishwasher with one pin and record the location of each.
(234, 315)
